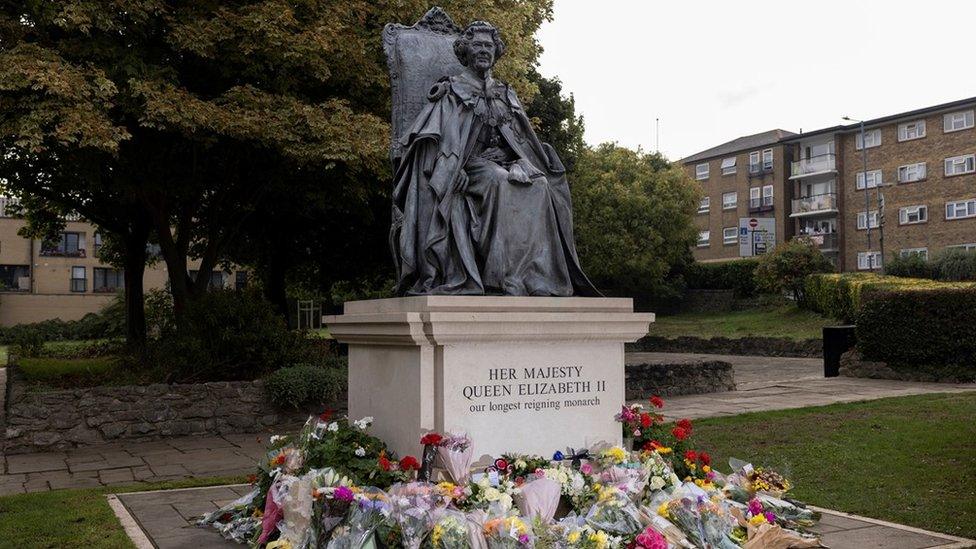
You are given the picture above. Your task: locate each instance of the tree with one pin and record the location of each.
(184, 115)
(555, 119)
(787, 265)
(634, 217)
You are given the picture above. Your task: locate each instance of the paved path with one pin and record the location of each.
(773, 383)
(163, 520)
(764, 384)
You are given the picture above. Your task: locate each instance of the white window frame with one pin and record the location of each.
(910, 173)
(755, 164)
(873, 137)
(726, 239)
(968, 162)
(704, 204)
(921, 252)
(919, 212)
(953, 208)
(755, 197)
(701, 171)
(957, 121)
(767, 195)
(730, 205)
(874, 180)
(907, 131)
(862, 260)
(767, 163)
(703, 238)
(728, 166)
(862, 224)
(968, 247)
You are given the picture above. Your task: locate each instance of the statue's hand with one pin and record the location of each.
(517, 175)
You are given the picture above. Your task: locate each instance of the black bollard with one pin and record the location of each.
(837, 340)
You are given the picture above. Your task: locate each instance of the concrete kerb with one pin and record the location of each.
(958, 542)
(129, 523)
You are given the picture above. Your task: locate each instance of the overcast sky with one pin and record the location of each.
(712, 71)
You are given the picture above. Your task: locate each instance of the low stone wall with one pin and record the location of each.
(56, 420)
(757, 346)
(691, 378)
(852, 364)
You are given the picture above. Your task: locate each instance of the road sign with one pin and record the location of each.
(756, 235)
(753, 223)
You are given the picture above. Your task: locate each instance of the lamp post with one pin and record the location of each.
(867, 194)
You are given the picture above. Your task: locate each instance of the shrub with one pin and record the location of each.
(29, 343)
(840, 296)
(305, 385)
(737, 275)
(955, 264)
(910, 266)
(934, 330)
(787, 265)
(82, 349)
(91, 326)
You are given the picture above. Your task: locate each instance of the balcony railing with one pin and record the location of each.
(815, 204)
(5, 205)
(763, 204)
(824, 241)
(56, 252)
(823, 163)
(761, 169)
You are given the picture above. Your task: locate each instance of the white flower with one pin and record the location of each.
(656, 483)
(275, 439)
(360, 451)
(364, 423)
(505, 501)
(333, 427)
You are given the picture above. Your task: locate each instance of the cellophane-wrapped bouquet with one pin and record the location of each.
(450, 530)
(508, 532)
(613, 512)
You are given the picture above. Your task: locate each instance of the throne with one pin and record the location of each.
(417, 56)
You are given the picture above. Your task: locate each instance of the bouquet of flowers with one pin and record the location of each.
(704, 522)
(413, 506)
(456, 454)
(583, 536)
(368, 511)
(450, 531)
(507, 532)
(490, 490)
(573, 484)
(538, 498)
(235, 521)
(649, 538)
(613, 512)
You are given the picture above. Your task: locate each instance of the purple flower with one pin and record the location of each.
(770, 517)
(755, 507)
(343, 493)
(524, 539)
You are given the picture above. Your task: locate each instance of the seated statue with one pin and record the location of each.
(480, 205)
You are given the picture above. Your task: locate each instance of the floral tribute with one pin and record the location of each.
(333, 485)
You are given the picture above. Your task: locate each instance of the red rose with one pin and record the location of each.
(385, 463)
(691, 456)
(431, 439)
(657, 402)
(645, 420)
(409, 463)
(326, 415)
(679, 433)
(501, 465)
(705, 458)
(685, 424)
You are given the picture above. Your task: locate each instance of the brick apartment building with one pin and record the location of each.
(64, 279)
(923, 164)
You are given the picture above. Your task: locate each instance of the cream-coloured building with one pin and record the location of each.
(64, 278)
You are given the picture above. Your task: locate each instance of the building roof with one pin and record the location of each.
(740, 144)
(883, 120)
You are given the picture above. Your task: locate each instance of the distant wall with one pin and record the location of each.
(16, 308)
(688, 378)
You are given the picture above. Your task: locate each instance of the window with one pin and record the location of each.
(97, 242)
(920, 252)
(79, 280)
(955, 121)
(872, 137)
(957, 165)
(730, 200)
(730, 235)
(703, 205)
(961, 209)
(755, 197)
(862, 217)
(767, 195)
(703, 239)
(68, 245)
(107, 280)
(913, 214)
(911, 130)
(217, 279)
(728, 166)
(14, 278)
(911, 172)
(767, 159)
(754, 165)
(971, 247)
(701, 171)
(868, 260)
(240, 280)
(874, 180)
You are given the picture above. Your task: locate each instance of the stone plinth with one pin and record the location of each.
(521, 374)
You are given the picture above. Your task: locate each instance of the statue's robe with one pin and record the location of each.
(463, 224)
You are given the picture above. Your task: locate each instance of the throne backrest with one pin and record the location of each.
(417, 56)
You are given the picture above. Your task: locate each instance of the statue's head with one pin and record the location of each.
(479, 46)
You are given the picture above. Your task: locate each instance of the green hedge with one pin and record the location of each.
(930, 330)
(840, 295)
(738, 275)
(306, 385)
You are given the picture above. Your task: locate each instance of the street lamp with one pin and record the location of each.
(867, 194)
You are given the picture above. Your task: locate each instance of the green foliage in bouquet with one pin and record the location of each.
(341, 451)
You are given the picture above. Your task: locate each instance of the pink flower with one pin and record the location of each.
(524, 539)
(343, 493)
(755, 507)
(586, 469)
(651, 539)
(770, 517)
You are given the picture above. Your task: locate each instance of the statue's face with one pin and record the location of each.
(481, 51)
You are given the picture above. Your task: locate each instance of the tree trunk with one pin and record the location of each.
(275, 289)
(135, 268)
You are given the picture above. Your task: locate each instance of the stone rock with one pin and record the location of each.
(113, 430)
(46, 438)
(82, 435)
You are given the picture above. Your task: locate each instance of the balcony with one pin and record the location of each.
(826, 242)
(760, 170)
(61, 252)
(815, 165)
(819, 204)
(764, 204)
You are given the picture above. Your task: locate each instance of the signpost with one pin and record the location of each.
(757, 235)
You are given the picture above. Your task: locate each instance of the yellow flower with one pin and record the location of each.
(617, 454)
(664, 450)
(706, 469)
(436, 534)
(757, 520)
(599, 538)
(279, 544)
(663, 509)
(573, 536)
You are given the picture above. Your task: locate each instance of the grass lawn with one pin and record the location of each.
(910, 460)
(75, 518)
(786, 321)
